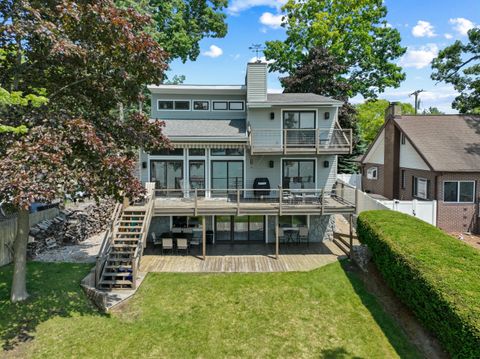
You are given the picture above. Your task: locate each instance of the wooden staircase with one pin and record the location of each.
(119, 257)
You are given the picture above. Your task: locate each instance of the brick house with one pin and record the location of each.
(428, 158)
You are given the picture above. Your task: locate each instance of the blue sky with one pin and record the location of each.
(426, 27)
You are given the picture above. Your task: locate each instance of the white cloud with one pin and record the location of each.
(214, 51)
(271, 20)
(423, 29)
(419, 57)
(237, 6)
(461, 25)
(262, 59)
(448, 36)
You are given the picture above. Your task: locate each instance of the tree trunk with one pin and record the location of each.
(19, 286)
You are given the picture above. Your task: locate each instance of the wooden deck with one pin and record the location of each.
(247, 258)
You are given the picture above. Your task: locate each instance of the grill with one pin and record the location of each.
(261, 183)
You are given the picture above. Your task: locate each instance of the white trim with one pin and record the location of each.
(458, 191)
(174, 100)
(197, 100)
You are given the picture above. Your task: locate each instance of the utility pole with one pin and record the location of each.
(417, 102)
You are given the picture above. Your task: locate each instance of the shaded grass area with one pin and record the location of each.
(323, 313)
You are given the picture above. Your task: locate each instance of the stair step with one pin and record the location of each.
(130, 227)
(130, 221)
(343, 247)
(121, 266)
(126, 240)
(119, 260)
(121, 245)
(117, 274)
(115, 282)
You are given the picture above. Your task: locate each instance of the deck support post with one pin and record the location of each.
(277, 244)
(204, 238)
(351, 234)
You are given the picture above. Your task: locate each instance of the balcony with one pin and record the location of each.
(299, 141)
(178, 202)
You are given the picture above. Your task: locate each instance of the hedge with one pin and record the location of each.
(434, 274)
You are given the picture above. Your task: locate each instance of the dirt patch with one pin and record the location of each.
(423, 339)
(470, 239)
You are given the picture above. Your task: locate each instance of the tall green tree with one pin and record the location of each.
(91, 58)
(179, 25)
(432, 111)
(355, 32)
(371, 116)
(459, 65)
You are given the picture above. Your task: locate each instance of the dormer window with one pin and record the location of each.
(372, 173)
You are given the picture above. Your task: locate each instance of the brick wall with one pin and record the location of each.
(406, 193)
(373, 186)
(458, 217)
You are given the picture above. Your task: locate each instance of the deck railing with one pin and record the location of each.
(283, 198)
(300, 140)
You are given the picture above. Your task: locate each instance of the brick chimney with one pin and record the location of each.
(392, 152)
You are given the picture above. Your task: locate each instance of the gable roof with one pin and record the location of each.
(448, 143)
(234, 129)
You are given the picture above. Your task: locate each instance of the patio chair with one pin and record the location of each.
(281, 235)
(167, 244)
(156, 241)
(182, 244)
(303, 235)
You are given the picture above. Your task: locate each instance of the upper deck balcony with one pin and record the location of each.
(297, 141)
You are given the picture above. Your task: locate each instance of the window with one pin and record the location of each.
(372, 173)
(196, 152)
(402, 138)
(182, 105)
(167, 174)
(201, 105)
(421, 188)
(226, 175)
(299, 119)
(165, 105)
(220, 105)
(235, 105)
(292, 221)
(403, 179)
(459, 191)
(298, 174)
(227, 152)
(197, 175)
(167, 152)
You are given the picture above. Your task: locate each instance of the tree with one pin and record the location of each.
(179, 25)
(354, 32)
(90, 58)
(432, 111)
(459, 65)
(371, 116)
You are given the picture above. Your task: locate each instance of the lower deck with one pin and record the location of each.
(243, 258)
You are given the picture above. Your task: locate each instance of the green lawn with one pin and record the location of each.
(323, 313)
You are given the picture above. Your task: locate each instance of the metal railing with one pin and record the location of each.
(282, 198)
(296, 140)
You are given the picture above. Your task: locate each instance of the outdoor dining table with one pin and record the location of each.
(289, 233)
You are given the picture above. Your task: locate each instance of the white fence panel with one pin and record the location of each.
(354, 179)
(424, 210)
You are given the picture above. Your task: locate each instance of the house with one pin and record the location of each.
(247, 167)
(428, 158)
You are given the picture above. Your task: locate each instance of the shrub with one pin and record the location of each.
(434, 274)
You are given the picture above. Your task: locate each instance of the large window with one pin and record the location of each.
(240, 228)
(227, 175)
(299, 119)
(459, 191)
(178, 105)
(420, 187)
(236, 106)
(167, 174)
(298, 174)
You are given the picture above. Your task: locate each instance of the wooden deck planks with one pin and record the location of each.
(249, 263)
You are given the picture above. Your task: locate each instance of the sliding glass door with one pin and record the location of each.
(300, 128)
(240, 228)
(298, 174)
(226, 175)
(167, 174)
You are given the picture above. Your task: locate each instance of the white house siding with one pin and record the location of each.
(376, 153)
(409, 157)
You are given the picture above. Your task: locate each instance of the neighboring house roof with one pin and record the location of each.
(300, 98)
(234, 129)
(448, 143)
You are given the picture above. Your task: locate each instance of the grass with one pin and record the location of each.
(324, 313)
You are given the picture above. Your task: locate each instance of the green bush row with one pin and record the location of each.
(434, 274)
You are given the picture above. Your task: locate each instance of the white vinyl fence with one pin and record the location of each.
(424, 210)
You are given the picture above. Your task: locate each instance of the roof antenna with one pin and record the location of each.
(257, 48)
(417, 101)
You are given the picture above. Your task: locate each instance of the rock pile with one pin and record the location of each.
(69, 227)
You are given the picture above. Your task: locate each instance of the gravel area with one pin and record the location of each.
(84, 252)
